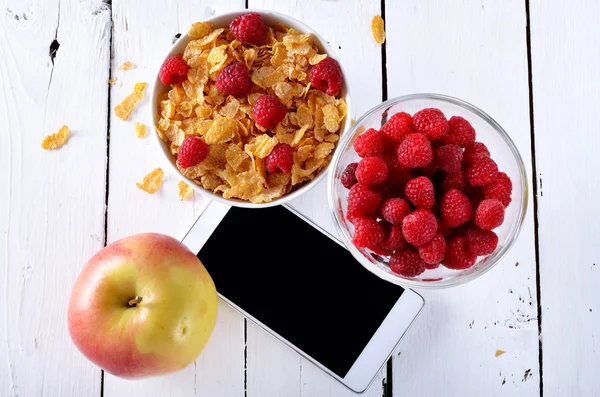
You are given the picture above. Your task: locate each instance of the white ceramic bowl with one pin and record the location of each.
(220, 21)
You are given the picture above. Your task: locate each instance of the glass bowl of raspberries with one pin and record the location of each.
(427, 191)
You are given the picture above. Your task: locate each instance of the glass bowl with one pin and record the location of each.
(502, 150)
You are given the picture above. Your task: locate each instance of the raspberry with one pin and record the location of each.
(455, 180)
(475, 151)
(192, 152)
(419, 227)
(397, 174)
(460, 132)
(367, 232)
(420, 192)
(481, 242)
(349, 175)
(499, 189)
(249, 28)
(433, 252)
(415, 151)
(431, 122)
(371, 171)
(394, 210)
(369, 144)
(458, 256)
(268, 111)
(379, 250)
(397, 127)
(407, 263)
(327, 76)
(481, 171)
(281, 159)
(234, 80)
(174, 70)
(449, 157)
(455, 208)
(362, 200)
(489, 214)
(393, 240)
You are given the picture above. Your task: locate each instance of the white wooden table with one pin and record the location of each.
(531, 64)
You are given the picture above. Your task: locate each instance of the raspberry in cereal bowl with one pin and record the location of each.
(249, 107)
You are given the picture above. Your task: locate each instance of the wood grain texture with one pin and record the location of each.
(566, 92)
(143, 34)
(475, 51)
(52, 203)
(273, 369)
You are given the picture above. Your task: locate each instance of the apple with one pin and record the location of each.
(143, 306)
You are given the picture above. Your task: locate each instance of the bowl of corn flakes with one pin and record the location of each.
(249, 107)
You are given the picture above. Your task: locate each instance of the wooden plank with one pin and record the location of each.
(52, 216)
(273, 369)
(566, 88)
(475, 51)
(143, 33)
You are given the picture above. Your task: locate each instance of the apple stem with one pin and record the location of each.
(133, 302)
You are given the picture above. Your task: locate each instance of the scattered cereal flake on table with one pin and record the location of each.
(140, 129)
(152, 181)
(352, 122)
(140, 87)
(185, 191)
(125, 108)
(499, 353)
(56, 140)
(112, 81)
(377, 28)
(127, 66)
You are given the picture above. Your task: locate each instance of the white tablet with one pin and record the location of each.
(301, 285)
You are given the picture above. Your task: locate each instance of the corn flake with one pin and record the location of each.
(331, 118)
(127, 66)
(230, 109)
(216, 157)
(236, 157)
(56, 140)
(140, 130)
(304, 116)
(210, 181)
(152, 181)
(140, 87)
(221, 130)
(259, 76)
(261, 146)
(194, 172)
(323, 149)
(185, 191)
(200, 29)
(316, 58)
(378, 30)
(112, 81)
(125, 108)
(245, 186)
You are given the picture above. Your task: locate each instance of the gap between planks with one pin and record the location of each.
(535, 195)
(106, 178)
